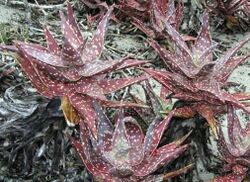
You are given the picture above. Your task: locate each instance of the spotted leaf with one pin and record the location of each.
(93, 48)
(155, 132)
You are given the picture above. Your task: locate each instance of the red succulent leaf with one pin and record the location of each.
(136, 137)
(224, 60)
(177, 38)
(229, 66)
(57, 88)
(171, 80)
(40, 66)
(235, 4)
(229, 8)
(134, 131)
(168, 57)
(104, 128)
(243, 161)
(121, 146)
(70, 55)
(206, 56)
(246, 10)
(98, 67)
(230, 99)
(239, 169)
(233, 127)
(51, 42)
(34, 77)
(93, 48)
(199, 96)
(41, 53)
(49, 63)
(211, 86)
(159, 76)
(155, 132)
(237, 175)
(154, 99)
(51, 71)
(150, 16)
(82, 149)
(159, 157)
(72, 21)
(71, 42)
(163, 5)
(156, 16)
(139, 24)
(83, 104)
(235, 150)
(96, 87)
(178, 14)
(203, 40)
(108, 103)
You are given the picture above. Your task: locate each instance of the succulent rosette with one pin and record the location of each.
(193, 74)
(125, 153)
(74, 70)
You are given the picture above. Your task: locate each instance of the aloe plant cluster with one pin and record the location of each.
(230, 10)
(121, 150)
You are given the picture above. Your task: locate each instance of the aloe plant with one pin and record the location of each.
(124, 153)
(74, 70)
(194, 75)
(230, 10)
(150, 16)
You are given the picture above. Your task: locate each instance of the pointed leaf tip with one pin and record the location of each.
(93, 48)
(155, 132)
